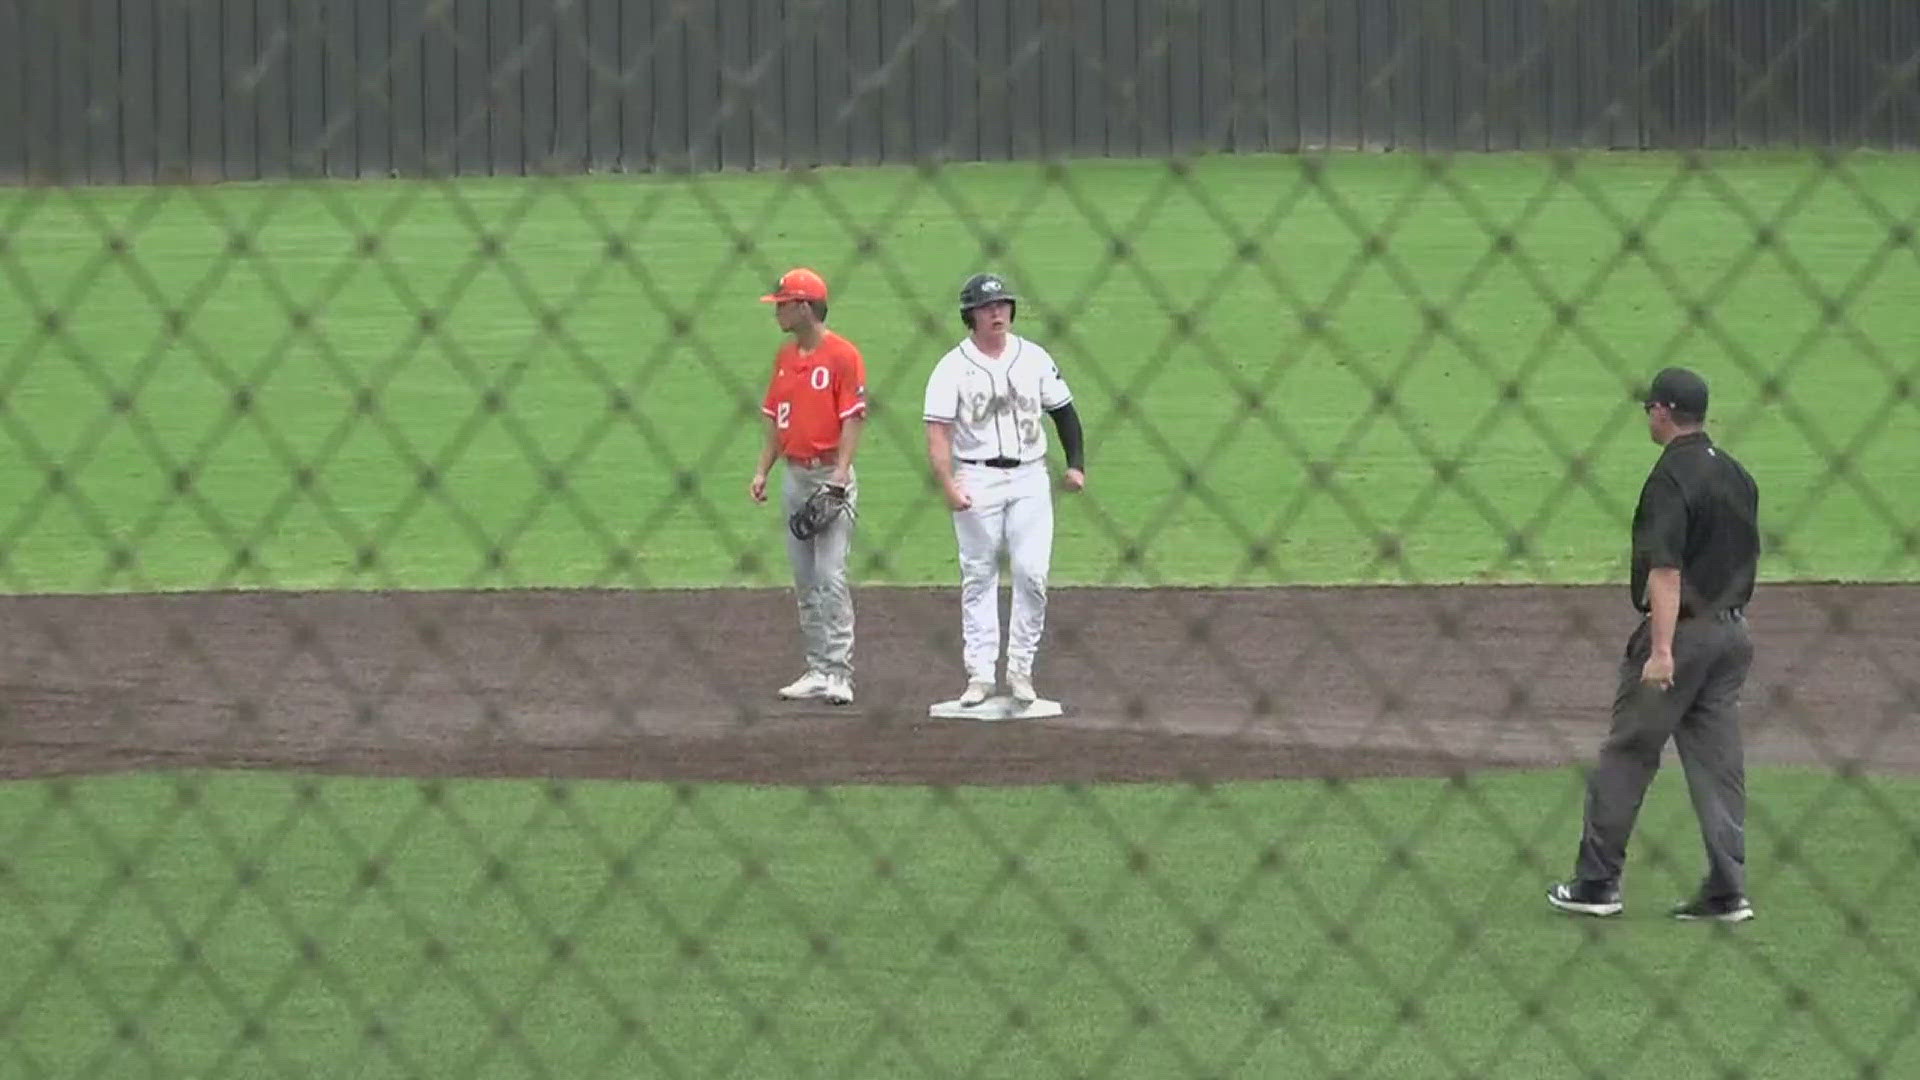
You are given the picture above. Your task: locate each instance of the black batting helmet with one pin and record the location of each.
(985, 289)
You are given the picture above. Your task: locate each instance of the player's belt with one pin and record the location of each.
(1732, 614)
(995, 462)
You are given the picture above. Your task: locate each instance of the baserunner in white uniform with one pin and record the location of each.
(988, 448)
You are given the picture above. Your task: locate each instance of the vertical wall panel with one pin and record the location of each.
(108, 90)
(1530, 105)
(701, 87)
(58, 143)
(1408, 56)
(1439, 28)
(105, 94)
(170, 98)
(206, 92)
(1092, 76)
(673, 123)
(984, 61)
(961, 106)
(1632, 59)
(605, 81)
(1006, 44)
(1029, 49)
(1247, 85)
(1377, 70)
(1903, 34)
(439, 87)
(1874, 70)
(927, 59)
(639, 60)
(1503, 74)
(898, 100)
(738, 45)
(832, 59)
(1053, 74)
(1718, 42)
(1344, 76)
(1313, 51)
(241, 74)
(865, 103)
(473, 89)
(1811, 95)
(13, 95)
(1122, 67)
(574, 101)
(71, 26)
(1471, 81)
(794, 90)
(1763, 96)
(40, 90)
(506, 110)
(306, 86)
(537, 91)
(1186, 118)
(1561, 70)
(1594, 47)
(406, 85)
(340, 78)
(138, 150)
(1154, 30)
(1789, 65)
(1218, 63)
(1280, 74)
(274, 49)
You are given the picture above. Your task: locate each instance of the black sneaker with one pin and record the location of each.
(1721, 909)
(1586, 898)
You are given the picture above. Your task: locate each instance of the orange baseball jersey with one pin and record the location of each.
(812, 394)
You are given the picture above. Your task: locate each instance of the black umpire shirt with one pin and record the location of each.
(1699, 512)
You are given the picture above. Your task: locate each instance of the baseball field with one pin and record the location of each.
(387, 683)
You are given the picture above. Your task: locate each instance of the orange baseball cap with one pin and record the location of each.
(798, 284)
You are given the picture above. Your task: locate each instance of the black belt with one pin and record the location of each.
(996, 462)
(1732, 614)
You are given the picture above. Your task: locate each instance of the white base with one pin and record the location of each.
(995, 708)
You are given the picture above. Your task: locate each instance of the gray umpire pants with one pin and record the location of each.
(820, 574)
(1711, 657)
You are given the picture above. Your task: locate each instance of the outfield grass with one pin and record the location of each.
(881, 931)
(163, 496)
(106, 880)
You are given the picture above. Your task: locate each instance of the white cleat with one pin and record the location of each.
(1020, 684)
(839, 690)
(811, 685)
(977, 694)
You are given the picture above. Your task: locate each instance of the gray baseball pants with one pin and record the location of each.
(1711, 658)
(820, 574)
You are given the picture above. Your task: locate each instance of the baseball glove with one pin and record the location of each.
(824, 503)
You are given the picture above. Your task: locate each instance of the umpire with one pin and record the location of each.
(1696, 541)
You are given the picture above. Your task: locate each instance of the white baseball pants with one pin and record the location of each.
(1012, 514)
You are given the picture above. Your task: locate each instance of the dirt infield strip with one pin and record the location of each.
(1168, 684)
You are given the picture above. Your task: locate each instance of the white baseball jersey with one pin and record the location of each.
(996, 407)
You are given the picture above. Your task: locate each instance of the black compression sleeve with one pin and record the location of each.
(1067, 422)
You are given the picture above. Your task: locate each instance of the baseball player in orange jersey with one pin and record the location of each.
(815, 406)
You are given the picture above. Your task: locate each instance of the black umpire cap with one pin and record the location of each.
(1679, 390)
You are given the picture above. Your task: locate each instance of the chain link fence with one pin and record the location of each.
(392, 645)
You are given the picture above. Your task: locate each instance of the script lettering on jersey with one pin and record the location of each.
(982, 406)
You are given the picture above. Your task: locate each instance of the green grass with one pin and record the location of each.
(165, 494)
(878, 931)
(415, 946)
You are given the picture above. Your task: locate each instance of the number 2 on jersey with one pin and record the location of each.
(783, 415)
